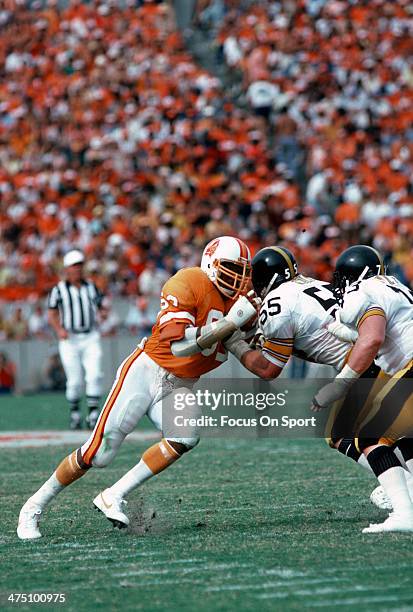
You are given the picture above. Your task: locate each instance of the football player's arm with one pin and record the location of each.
(371, 334)
(195, 339)
(340, 330)
(178, 311)
(240, 342)
(268, 361)
(362, 312)
(275, 339)
(256, 363)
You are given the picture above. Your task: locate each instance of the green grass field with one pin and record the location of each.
(235, 525)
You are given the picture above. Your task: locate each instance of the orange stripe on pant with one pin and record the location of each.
(98, 435)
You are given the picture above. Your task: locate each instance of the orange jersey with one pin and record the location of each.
(188, 298)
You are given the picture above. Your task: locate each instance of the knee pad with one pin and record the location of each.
(103, 457)
(108, 449)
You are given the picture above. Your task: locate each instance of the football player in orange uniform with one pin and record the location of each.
(202, 310)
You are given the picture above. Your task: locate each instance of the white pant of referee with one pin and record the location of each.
(81, 356)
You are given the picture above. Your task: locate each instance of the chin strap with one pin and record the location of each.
(266, 291)
(363, 274)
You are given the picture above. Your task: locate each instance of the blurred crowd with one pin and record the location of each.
(334, 81)
(113, 140)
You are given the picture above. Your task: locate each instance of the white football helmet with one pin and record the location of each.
(227, 263)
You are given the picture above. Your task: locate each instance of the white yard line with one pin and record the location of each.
(27, 439)
(353, 601)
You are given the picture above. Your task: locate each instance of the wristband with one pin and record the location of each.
(348, 374)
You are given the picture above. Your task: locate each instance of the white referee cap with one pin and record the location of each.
(72, 258)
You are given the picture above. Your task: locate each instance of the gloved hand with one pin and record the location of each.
(236, 344)
(244, 309)
(329, 394)
(335, 390)
(233, 339)
(342, 331)
(257, 342)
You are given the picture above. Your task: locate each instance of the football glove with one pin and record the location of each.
(329, 394)
(335, 390)
(244, 309)
(342, 331)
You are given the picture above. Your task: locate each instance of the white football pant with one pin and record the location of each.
(81, 356)
(141, 387)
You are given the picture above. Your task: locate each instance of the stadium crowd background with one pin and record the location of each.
(115, 141)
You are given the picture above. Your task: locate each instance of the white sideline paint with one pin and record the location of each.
(27, 439)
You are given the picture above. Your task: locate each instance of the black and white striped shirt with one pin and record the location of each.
(77, 305)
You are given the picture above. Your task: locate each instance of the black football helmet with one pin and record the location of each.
(270, 267)
(357, 263)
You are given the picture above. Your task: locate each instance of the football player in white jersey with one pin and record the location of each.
(294, 316)
(297, 316)
(380, 308)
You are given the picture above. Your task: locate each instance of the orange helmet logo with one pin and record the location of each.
(211, 248)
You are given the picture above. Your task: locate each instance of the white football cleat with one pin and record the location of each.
(111, 507)
(394, 522)
(380, 499)
(28, 527)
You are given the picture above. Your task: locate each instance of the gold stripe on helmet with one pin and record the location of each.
(287, 259)
(380, 259)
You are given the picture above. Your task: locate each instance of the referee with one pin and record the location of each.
(73, 305)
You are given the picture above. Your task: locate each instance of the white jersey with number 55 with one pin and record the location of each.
(385, 296)
(293, 319)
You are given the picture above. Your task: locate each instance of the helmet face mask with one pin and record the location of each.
(340, 283)
(232, 278)
(227, 263)
(355, 264)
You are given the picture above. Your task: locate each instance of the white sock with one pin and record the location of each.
(131, 480)
(394, 483)
(400, 457)
(409, 477)
(362, 460)
(409, 466)
(47, 491)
